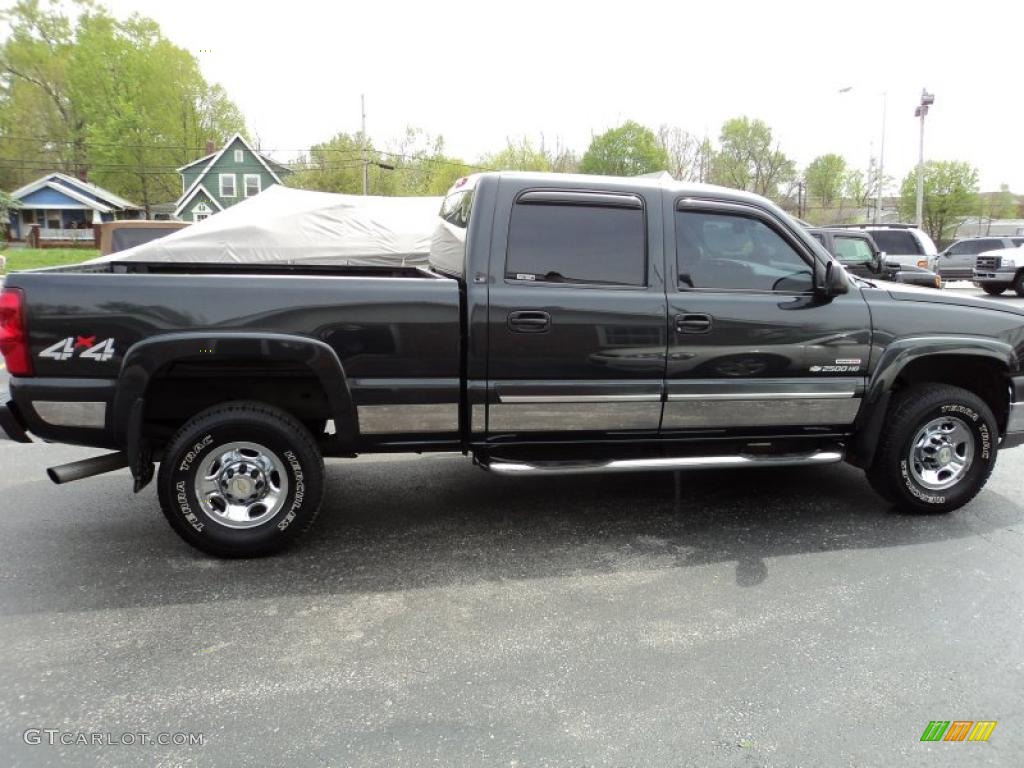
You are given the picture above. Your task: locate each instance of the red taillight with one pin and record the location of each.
(13, 334)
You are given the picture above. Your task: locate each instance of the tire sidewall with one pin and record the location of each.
(985, 447)
(186, 513)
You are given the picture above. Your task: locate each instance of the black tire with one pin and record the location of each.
(1018, 284)
(993, 290)
(295, 467)
(892, 474)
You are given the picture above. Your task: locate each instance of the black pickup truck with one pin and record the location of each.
(566, 324)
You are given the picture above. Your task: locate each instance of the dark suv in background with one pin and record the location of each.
(857, 251)
(902, 244)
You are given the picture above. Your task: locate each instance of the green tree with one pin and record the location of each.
(950, 194)
(420, 166)
(749, 159)
(109, 98)
(825, 177)
(414, 165)
(628, 150)
(684, 152)
(518, 156)
(7, 204)
(855, 187)
(1000, 205)
(336, 165)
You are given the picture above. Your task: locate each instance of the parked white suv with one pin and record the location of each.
(903, 244)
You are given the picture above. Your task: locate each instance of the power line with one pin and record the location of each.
(315, 148)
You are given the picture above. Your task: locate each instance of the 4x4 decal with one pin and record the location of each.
(67, 348)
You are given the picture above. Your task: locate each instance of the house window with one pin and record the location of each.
(53, 223)
(238, 156)
(29, 217)
(227, 185)
(253, 184)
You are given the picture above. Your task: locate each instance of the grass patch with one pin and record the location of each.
(34, 258)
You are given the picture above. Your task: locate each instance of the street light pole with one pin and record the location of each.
(927, 99)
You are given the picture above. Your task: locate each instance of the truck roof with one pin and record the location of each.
(644, 182)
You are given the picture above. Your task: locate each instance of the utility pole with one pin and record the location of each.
(881, 161)
(366, 157)
(927, 99)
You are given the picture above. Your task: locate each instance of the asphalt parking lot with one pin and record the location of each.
(441, 616)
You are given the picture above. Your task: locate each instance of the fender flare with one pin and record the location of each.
(145, 358)
(896, 357)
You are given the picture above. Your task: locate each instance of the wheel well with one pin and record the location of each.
(985, 377)
(180, 390)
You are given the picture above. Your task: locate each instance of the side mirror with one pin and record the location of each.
(833, 282)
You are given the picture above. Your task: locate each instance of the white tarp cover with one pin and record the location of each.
(286, 225)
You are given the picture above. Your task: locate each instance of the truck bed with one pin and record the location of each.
(395, 332)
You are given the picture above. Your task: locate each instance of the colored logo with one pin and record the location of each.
(958, 730)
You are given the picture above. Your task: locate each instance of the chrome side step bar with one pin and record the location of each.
(576, 467)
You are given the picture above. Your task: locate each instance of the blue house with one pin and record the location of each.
(65, 208)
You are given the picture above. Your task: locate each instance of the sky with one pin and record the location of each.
(480, 72)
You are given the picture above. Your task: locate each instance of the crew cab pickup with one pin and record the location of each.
(566, 324)
(995, 271)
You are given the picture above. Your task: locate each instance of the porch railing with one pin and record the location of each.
(66, 234)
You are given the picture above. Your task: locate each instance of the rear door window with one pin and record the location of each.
(577, 244)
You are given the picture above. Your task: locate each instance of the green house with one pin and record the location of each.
(224, 177)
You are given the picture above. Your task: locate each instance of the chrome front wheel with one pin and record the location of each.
(941, 453)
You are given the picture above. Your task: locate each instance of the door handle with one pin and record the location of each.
(529, 321)
(693, 323)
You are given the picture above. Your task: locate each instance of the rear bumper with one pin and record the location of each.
(75, 411)
(11, 425)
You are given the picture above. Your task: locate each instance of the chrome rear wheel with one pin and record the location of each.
(241, 485)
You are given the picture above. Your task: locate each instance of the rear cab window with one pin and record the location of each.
(448, 244)
(897, 242)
